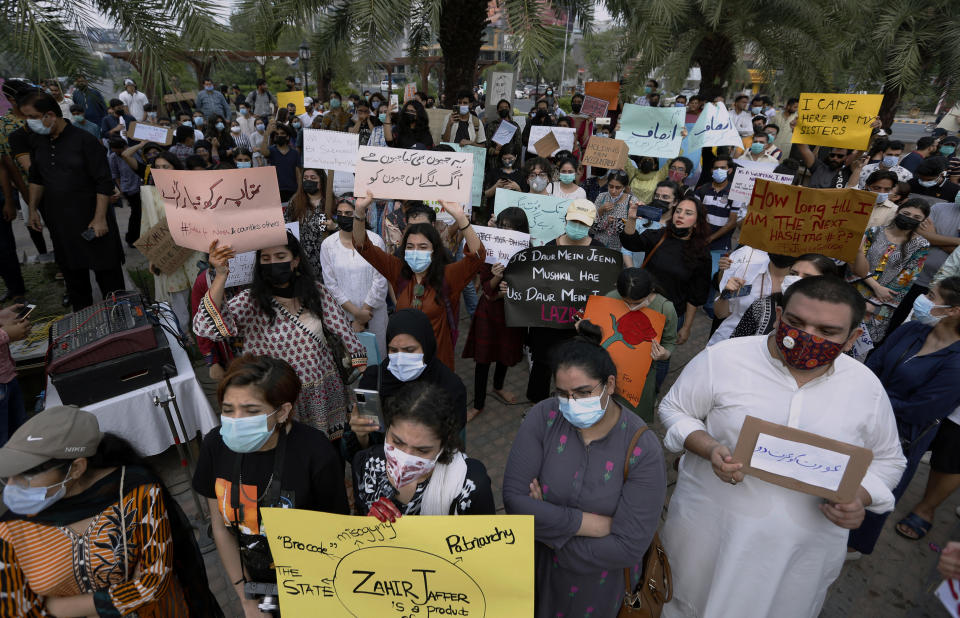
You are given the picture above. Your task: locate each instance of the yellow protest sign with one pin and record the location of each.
(295, 97)
(336, 565)
(837, 120)
(796, 220)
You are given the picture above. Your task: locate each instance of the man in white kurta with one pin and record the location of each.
(742, 547)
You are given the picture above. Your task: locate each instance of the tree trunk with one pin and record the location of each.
(888, 107)
(461, 35)
(715, 55)
(323, 84)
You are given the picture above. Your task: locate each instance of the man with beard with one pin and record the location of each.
(830, 174)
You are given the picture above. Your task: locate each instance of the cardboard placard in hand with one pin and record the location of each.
(606, 152)
(146, 132)
(547, 145)
(158, 246)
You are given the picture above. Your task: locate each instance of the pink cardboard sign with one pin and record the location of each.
(403, 174)
(240, 208)
(592, 106)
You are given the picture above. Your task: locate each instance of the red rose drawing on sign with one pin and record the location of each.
(633, 329)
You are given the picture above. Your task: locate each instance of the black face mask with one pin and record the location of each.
(599, 171)
(281, 140)
(277, 273)
(646, 166)
(680, 232)
(503, 113)
(311, 186)
(905, 222)
(576, 107)
(662, 205)
(781, 261)
(345, 222)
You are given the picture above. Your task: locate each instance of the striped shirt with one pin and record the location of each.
(719, 208)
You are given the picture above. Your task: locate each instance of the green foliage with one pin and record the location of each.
(603, 54)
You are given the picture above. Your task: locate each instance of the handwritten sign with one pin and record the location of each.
(564, 137)
(158, 247)
(399, 173)
(801, 460)
(330, 150)
(501, 245)
(608, 91)
(547, 145)
(150, 133)
(545, 213)
(606, 152)
(504, 133)
(479, 168)
(241, 265)
(837, 120)
(547, 286)
(296, 97)
(337, 565)
(594, 107)
(409, 92)
(742, 186)
(501, 88)
(796, 220)
(627, 336)
(437, 118)
(713, 128)
(652, 131)
(949, 594)
(237, 207)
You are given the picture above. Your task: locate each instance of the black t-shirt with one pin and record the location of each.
(946, 191)
(312, 478)
(494, 174)
(680, 281)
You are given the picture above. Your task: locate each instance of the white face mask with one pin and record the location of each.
(406, 366)
(32, 500)
(788, 281)
(403, 468)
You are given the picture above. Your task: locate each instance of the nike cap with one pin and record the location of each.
(60, 432)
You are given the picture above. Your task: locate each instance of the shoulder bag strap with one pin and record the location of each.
(626, 472)
(649, 255)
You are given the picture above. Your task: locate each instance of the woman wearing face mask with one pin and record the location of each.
(310, 208)
(567, 187)
(504, 114)
(354, 283)
(919, 365)
(612, 207)
(205, 150)
(413, 128)
(368, 126)
(538, 173)
(889, 259)
(760, 316)
(645, 173)
(424, 278)
(678, 170)
(420, 468)
(286, 314)
(411, 357)
(566, 468)
(261, 457)
(239, 139)
(89, 530)
(221, 139)
(506, 175)
(282, 155)
(490, 339)
(677, 257)
(257, 139)
(243, 158)
(338, 118)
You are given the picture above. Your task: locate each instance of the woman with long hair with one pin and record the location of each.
(310, 208)
(287, 314)
(413, 127)
(538, 173)
(424, 278)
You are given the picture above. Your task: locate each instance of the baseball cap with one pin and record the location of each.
(582, 210)
(60, 432)
(307, 101)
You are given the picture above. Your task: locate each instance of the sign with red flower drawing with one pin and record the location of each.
(627, 336)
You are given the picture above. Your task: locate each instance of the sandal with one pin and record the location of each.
(504, 400)
(918, 525)
(472, 413)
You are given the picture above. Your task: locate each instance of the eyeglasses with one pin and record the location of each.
(418, 291)
(540, 175)
(677, 168)
(575, 395)
(836, 156)
(24, 480)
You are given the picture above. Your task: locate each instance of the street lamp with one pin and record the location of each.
(304, 60)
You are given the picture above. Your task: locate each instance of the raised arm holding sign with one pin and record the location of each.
(714, 127)
(330, 150)
(652, 131)
(837, 120)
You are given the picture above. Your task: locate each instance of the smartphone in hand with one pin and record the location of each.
(88, 234)
(25, 311)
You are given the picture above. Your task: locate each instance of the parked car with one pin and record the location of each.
(519, 94)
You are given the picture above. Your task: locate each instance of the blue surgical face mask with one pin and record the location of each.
(243, 111)
(576, 230)
(679, 104)
(947, 150)
(78, 118)
(418, 259)
(406, 366)
(890, 161)
(296, 125)
(927, 183)
(208, 88)
(260, 127)
(219, 126)
(756, 110)
(374, 105)
(198, 121)
(756, 147)
(568, 177)
(882, 197)
(583, 413)
(243, 164)
(719, 175)
(382, 117)
(771, 137)
(334, 103)
(246, 434)
(36, 125)
(32, 500)
(922, 307)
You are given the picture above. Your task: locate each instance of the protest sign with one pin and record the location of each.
(504, 133)
(546, 215)
(800, 460)
(240, 207)
(837, 120)
(409, 92)
(330, 150)
(742, 186)
(399, 173)
(626, 337)
(606, 152)
(241, 265)
(564, 137)
(150, 133)
(338, 565)
(343, 183)
(501, 245)
(295, 97)
(750, 164)
(499, 88)
(479, 168)
(949, 594)
(608, 91)
(546, 145)
(713, 128)
(594, 107)
(796, 220)
(547, 286)
(438, 121)
(158, 247)
(652, 131)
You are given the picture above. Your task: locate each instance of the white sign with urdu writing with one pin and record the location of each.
(808, 464)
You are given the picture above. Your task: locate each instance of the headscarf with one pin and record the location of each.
(415, 323)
